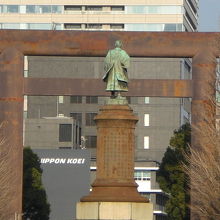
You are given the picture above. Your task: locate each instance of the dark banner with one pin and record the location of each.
(66, 178)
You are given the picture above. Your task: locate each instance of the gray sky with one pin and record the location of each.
(209, 15)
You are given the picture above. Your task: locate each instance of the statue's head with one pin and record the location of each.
(118, 43)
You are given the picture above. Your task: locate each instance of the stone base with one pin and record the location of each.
(114, 193)
(114, 211)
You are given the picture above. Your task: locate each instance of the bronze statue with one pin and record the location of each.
(115, 65)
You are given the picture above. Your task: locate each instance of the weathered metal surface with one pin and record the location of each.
(160, 88)
(203, 98)
(97, 43)
(11, 115)
(203, 47)
(137, 87)
(203, 108)
(115, 156)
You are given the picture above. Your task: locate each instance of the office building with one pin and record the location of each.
(128, 15)
(53, 132)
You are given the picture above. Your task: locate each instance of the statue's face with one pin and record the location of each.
(118, 43)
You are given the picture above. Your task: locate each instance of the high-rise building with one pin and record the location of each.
(128, 15)
(158, 117)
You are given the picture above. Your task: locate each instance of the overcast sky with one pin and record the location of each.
(209, 15)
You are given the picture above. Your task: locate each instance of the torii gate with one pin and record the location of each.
(203, 48)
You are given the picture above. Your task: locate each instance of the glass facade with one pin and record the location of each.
(43, 26)
(10, 26)
(154, 27)
(135, 9)
(127, 27)
(9, 9)
(56, 26)
(31, 9)
(31, 26)
(154, 9)
(142, 175)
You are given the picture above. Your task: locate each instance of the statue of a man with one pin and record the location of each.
(115, 65)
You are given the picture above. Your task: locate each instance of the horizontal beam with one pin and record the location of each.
(97, 43)
(95, 87)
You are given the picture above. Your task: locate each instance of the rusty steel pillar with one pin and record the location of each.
(203, 110)
(115, 157)
(203, 99)
(11, 119)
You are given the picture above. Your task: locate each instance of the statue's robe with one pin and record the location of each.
(115, 65)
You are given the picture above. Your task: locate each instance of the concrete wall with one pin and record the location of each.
(164, 113)
(44, 133)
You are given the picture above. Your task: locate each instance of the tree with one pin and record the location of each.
(204, 170)
(6, 177)
(171, 176)
(35, 205)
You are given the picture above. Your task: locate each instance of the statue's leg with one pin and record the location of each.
(112, 94)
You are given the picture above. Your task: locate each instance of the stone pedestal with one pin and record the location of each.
(115, 157)
(114, 211)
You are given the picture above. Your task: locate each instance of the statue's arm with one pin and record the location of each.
(107, 61)
(125, 61)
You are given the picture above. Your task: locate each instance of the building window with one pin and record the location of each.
(93, 8)
(90, 119)
(192, 6)
(146, 142)
(141, 175)
(77, 116)
(65, 148)
(30, 9)
(91, 141)
(152, 9)
(25, 114)
(65, 133)
(10, 9)
(153, 27)
(161, 200)
(72, 8)
(94, 26)
(117, 8)
(187, 67)
(75, 99)
(56, 9)
(76, 138)
(25, 73)
(190, 20)
(173, 27)
(146, 100)
(60, 99)
(11, 26)
(146, 119)
(72, 26)
(80, 135)
(45, 9)
(40, 26)
(91, 99)
(137, 9)
(117, 26)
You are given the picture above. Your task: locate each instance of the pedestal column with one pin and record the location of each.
(115, 157)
